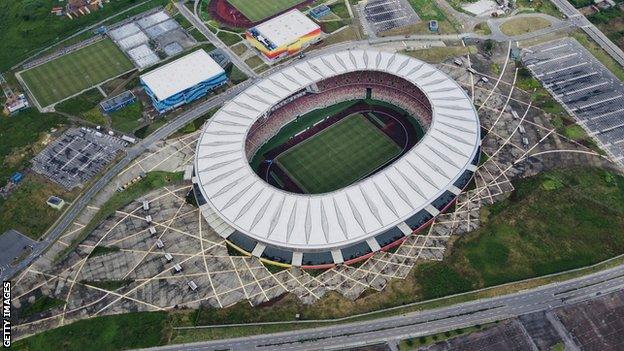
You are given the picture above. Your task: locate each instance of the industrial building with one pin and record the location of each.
(183, 80)
(284, 35)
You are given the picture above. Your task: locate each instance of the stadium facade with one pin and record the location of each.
(284, 35)
(183, 80)
(349, 224)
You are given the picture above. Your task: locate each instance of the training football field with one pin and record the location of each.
(256, 10)
(79, 70)
(339, 155)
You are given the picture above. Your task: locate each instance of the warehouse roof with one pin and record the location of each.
(181, 74)
(286, 28)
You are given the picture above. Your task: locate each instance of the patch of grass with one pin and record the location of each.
(235, 74)
(575, 132)
(76, 71)
(81, 103)
(347, 34)
(108, 333)
(41, 304)
(239, 49)
(110, 285)
(427, 10)
(543, 6)
(254, 61)
(522, 25)
(153, 180)
(150, 128)
(196, 124)
(340, 9)
(439, 54)
(439, 280)
(482, 28)
(23, 136)
(256, 10)
(127, 120)
(102, 250)
(229, 39)
(346, 151)
(30, 198)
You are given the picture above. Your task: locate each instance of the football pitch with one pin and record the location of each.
(339, 155)
(256, 10)
(72, 73)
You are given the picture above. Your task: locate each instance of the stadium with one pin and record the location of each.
(335, 158)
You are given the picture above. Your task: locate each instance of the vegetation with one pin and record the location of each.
(108, 333)
(27, 25)
(235, 74)
(228, 38)
(522, 25)
(414, 343)
(153, 180)
(41, 304)
(150, 128)
(611, 23)
(81, 103)
(543, 6)
(197, 123)
(439, 54)
(76, 71)
(128, 118)
(28, 198)
(427, 10)
(102, 250)
(110, 285)
(20, 144)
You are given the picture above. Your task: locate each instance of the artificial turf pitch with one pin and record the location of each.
(339, 155)
(74, 72)
(256, 10)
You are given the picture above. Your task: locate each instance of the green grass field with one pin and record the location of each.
(339, 155)
(75, 72)
(256, 10)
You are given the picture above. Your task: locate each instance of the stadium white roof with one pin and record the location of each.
(181, 74)
(237, 199)
(286, 28)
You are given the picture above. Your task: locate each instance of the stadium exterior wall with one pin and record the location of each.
(350, 224)
(187, 95)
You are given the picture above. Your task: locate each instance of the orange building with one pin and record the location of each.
(284, 35)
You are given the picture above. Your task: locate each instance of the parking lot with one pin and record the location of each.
(12, 245)
(383, 15)
(76, 156)
(586, 88)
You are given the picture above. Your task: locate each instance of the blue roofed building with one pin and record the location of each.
(183, 80)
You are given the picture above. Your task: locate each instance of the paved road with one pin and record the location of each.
(201, 26)
(424, 323)
(131, 153)
(579, 20)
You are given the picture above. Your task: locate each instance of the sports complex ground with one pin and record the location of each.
(256, 10)
(62, 77)
(339, 155)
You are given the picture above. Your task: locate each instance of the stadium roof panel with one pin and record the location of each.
(181, 74)
(313, 222)
(286, 28)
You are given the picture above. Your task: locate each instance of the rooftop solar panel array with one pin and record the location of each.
(585, 87)
(384, 15)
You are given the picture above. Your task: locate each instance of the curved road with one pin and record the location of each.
(423, 323)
